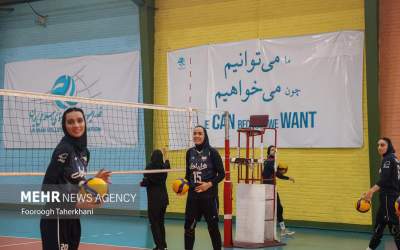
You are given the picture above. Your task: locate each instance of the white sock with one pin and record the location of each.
(368, 248)
(282, 225)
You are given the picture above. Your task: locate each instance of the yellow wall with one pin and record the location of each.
(328, 181)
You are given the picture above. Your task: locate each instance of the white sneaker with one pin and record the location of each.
(286, 232)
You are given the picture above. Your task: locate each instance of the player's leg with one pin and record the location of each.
(210, 210)
(380, 224)
(394, 227)
(279, 212)
(162, 226)
(73, 227)
(155, 216)
(49, 234)
(281, 222)
(60, 234)
(192, 215)
(377, 235)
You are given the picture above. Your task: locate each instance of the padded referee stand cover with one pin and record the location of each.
(254, 213)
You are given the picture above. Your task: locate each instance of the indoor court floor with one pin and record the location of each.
(123, 233)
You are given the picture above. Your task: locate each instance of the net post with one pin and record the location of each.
(275, 189)
(247, 157)
(228, 242)
(238, 156)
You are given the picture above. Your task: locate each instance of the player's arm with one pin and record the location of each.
(61, 164)
(145, 182)
(102, 173)
(220, 172)
(71, 171)
(371, 191)
(268, 170)
(165, 153)
(386, 174)
(284, 177)
(386, 171)
(155, 178)
(52, 178)
(162, 177)
(219, 167)
(61, 159)
(167, 165)
(187, 175)
(281, 176)
(150, 178)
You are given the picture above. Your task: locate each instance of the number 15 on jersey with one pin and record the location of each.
(197, 176)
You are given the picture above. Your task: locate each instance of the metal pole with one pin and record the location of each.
(228, 241)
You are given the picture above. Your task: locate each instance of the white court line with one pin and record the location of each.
(19, 244)
(108, 245)
(18, 237)
(86, 243)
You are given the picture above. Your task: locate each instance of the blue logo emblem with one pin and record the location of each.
(65, 86)
(181, 63)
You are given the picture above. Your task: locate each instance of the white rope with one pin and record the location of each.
(25, 94)
(153, 171)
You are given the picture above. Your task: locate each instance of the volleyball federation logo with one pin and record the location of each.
(65, 86)
(181, 63)
(74, 85)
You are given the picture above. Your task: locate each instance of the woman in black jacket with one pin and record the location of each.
(66, 174)
(269, 175)
(388, 187)
(157, 196)
(204, 170)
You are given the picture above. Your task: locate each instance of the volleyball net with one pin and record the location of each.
(121, 135)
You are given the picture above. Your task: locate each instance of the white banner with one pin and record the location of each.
(113, 77)
(310, 86)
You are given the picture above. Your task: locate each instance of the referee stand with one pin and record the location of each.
(255, 201)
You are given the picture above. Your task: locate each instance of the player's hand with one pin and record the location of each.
(104, 174)
(204, 186)
(368, 195)
(397, 211)
(165, 153)
(291, 179)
